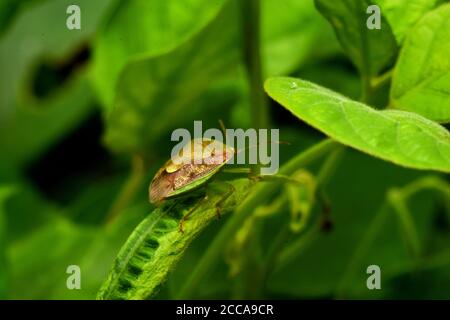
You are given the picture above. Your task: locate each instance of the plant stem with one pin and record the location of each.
(398, 198)
(250, 19)
(366, 93)
(298, 246)
(371, 85)
(256, 198)
(406, 192)
(409, 231)
(129, 189)
(329, 167)
(361, 249)
(275, 251)
(428, 182)
(247, 283)
(381, 80)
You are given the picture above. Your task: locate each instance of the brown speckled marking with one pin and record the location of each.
(172, 177)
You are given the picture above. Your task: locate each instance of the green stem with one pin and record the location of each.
(381, 80)
(247, 283)
(370, 85)
(361, 249)
(262, 192)
(129, 189)
(366, 93)
(275, 251)
(409, 231)
(430, 182)
(250, 17)
(398, 199)
(298, 246)
(329, 167)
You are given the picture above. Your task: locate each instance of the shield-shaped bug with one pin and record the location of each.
(190, 169)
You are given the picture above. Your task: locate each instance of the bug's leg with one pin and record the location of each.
(222, 127)
(227, 193)
(272, 177)
(276, 177)
(217, 205)
(186, 216)
(237, 170)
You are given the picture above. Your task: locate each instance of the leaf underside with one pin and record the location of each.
(404, 138)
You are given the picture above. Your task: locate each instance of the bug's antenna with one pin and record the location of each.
(280, 142)
(257, 144)
(223, 128)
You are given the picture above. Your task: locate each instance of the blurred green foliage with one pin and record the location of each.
(77, 105)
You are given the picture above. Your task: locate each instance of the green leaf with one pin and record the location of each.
(26, 211)
(157, 93)
(99, 253)
(36, 126)
(9, 9)
(370, 50)
(39, 258)
(403, 14)
(421, 80)
(49, 38)
(145, 28)
(39, 262)
(28, 124)
(290, 26)
(404, 138)
(156, 245)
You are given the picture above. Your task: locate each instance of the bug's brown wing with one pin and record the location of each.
(161, 185)
(166, 184)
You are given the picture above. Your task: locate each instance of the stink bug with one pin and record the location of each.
(179, 177)
(190, 170)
